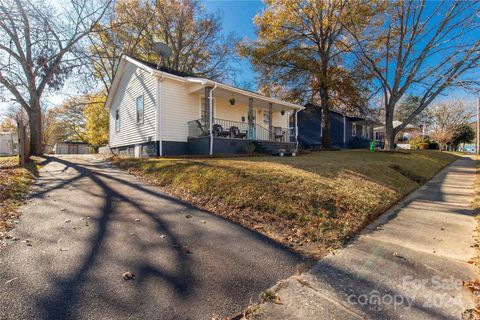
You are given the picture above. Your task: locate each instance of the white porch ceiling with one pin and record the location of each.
(242, 96)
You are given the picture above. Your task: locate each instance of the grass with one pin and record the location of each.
(14, 184)
(312, 203)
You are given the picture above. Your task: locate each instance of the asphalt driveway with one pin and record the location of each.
(87, 223)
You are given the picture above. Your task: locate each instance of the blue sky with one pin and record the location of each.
(238, 18)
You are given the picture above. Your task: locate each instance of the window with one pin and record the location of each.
(354, 130)
(266, 118)
(139, 103)
(117, 120)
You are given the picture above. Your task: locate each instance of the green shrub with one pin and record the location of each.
(420, 142)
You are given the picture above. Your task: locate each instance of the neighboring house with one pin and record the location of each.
(71, 147)
(346, 131)
(8, 144)
(161, 112)
(402, 139)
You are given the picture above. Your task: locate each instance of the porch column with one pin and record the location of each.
(209, 98)
(251, 116)
(206, 108)
(270, 123)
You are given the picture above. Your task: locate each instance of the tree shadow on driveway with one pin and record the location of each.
(189, 268)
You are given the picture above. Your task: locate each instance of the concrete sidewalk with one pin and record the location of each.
(408, 264)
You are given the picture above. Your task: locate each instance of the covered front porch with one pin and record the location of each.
(238, 115)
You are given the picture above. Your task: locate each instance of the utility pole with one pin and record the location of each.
(477, 144)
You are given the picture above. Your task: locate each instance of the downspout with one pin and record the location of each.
(344, 131)
(321, 126)
(158, 120)
(211, 118)
(296, 129)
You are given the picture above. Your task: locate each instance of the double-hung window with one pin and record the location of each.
(139, 104)
(354, 130)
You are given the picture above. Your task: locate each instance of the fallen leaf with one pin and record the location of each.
(128, 276)
(8, 281)
(395, 254)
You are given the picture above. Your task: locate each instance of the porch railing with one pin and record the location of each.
(237, 130)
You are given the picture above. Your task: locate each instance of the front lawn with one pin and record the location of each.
(312, 203)
(14, 184)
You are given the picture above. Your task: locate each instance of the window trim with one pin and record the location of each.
(117, 120)
(137, 113)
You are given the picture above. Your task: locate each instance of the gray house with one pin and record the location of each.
(346, 131)
(8, 143)
(71, 147)
(161, 112)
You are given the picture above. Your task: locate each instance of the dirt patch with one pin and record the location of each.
(410, 175)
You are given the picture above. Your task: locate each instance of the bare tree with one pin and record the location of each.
(36, 41)
(446, 118)
(193, 34)
(421, 48)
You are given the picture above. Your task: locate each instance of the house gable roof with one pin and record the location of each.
(162, 68)
(184, 77)
(350, 117)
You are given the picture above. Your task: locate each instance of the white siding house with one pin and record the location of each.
(160, 112)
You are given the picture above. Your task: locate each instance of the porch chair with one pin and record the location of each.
(278, 133)
(235, 133)
(202, 128)
(218, 131)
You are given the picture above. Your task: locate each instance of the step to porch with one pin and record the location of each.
(272, 147)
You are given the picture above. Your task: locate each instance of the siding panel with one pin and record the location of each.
(135, 82)
(178, 107)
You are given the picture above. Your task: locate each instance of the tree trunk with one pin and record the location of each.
(324, 101)
(389, 130)
(35, 124)
(389, 139)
